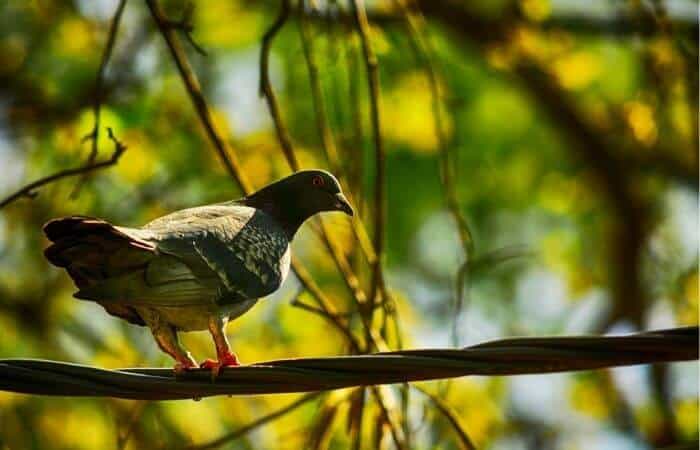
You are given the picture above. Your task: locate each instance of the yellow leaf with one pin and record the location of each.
(408, 114)
(74, 38)
(588, 397)
(687, 418)
(688, 308)
(138, 163)
(577, 70)
(214, 28)
(536, 10)
(640, 118)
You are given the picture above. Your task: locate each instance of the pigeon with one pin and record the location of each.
(193, 269)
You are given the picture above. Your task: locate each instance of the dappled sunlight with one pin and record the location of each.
(569, 133)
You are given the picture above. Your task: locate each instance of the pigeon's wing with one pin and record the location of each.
(118, 268)
(175, 275)
(245, 248)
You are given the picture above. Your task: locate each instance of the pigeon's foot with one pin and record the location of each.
(225, 360)
(229, 359)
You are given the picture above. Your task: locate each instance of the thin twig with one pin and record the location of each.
(464, 439)
(424, 51)
(266, 86)
(324, 130)
(355, 414)
(326, 134)
(133, 419)
(29, 190)
(218, 442)
(326, 306)
(357, 162)
(389, 419)
(189, 78)
(186, 27)
(341, 262)
(319, 433)
(316, 310)
(349, 278)
(94, 135)
(372, 70)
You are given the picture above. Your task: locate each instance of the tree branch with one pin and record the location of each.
(94, 135)
(186, 27)
(189, 79)
(348, 276)
(29, 190)
(464, 439)
(266, 86)
(424, 52)
(372, 69)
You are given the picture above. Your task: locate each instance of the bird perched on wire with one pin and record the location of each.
(194, 269)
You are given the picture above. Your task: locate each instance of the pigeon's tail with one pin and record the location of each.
(93, 250)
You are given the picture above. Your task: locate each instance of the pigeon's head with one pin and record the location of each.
(316, 191)
(299, 196)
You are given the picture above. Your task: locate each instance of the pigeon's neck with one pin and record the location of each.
(282, 210)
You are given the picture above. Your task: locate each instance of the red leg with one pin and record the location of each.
(226, 358)
(166, 337)
(229, 359)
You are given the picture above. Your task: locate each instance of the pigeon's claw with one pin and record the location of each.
(184, 366)
(225, 360)
(211, 364)
(228, 359)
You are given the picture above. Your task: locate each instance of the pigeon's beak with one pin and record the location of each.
(342, 204)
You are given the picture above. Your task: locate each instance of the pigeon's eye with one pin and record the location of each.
(317, 181)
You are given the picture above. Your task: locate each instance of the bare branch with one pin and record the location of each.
(355, 414)
(94, 135)
(318, 311)
(29, 190)
(189, 79)
(424, 51)
(186, 26)
(325, 304)
(326, 135)
(389, 418)
(266, 86)
(350, 279)
(464, 439)
(372, 70)
(324, 130)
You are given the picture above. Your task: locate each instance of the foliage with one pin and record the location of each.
(539, 157)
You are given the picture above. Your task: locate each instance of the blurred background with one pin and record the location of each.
(540, 168)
